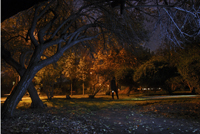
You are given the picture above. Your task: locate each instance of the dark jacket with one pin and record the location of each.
(113, 85)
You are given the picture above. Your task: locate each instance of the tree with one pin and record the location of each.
(70, 68)
(189, 67)
(175, 83)
(14, 32)
(124, 76)
(107, 64)
(154, 73)
(177, 20)
(82, 71)
(40, 44)
(47, 79)
(36, 102)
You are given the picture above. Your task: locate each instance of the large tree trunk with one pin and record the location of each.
(18, 92)
(83, 89)
(36, 102)
(71, 87)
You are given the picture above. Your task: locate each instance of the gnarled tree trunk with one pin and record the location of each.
(36, 101)
(19, 91)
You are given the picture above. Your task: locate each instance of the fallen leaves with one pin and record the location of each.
(91, 119)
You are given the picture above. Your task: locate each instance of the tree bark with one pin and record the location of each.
(71, 87)
(83, 89)
(18, 92)
(36, 101)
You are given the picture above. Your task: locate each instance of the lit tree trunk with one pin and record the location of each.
(83, 88)
(26, 79)
(18, 92)
(93, 89)
(36, 101)
(71, 87)
(51, 93)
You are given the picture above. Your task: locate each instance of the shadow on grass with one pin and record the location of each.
(107, 102)
(90, 104)
(102, 102)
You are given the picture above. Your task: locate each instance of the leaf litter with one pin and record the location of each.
(165, 118)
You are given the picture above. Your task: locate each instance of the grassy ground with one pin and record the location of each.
(129, 114)
(103, 101)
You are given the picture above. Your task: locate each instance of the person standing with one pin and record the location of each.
(113, 87)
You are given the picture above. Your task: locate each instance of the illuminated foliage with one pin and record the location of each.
(189, 67)
(82, 70)
(107, 62)
(46, 78)
(70, 67)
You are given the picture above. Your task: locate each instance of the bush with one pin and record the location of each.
(189, 68)
(155, 73)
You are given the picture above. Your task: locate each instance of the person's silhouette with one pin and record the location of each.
(113, 87)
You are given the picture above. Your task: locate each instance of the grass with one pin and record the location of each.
(84, 104)
(100, 102)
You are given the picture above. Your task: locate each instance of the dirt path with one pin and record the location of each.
(109, 121)
(125, 121)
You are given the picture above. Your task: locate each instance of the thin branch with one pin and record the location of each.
(150, 6)
(181, 9)
(60, 26)
(173, 21)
